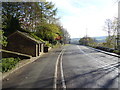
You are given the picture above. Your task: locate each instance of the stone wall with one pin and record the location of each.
(15, 55)
(21, 44)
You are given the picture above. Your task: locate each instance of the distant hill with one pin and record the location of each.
(75, 40)
(99, 39)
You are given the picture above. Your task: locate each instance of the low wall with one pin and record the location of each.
(7, 54)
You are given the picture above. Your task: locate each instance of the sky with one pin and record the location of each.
(81, 17)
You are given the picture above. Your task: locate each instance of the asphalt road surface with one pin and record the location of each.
(86, 68)
(82, 67)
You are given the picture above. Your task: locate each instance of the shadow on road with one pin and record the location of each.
(92, 77)
(77, 51)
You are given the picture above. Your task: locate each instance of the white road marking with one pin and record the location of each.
(55, 74)
(56, 70)
(101, 62)
(62, 75)
(91, 56)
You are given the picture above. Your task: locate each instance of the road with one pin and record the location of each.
(86, 68)
(80, 67)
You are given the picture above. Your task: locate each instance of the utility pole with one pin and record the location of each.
(86, 31)
(86, 42)
(118, 39)
(118, 29)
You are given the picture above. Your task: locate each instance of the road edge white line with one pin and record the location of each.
(101, 62)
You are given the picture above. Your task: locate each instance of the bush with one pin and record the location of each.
(48, 44)
(3, 38)
(8, 63)
(0, 67)
(117, 52)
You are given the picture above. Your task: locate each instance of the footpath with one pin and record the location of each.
(109, 53)
(21, 64)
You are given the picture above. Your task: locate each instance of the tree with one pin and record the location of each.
(111, 28)
(11, 13)
(12, 24)
(66, 36)
(108, 26)
(48, 32)
(40, 12)
(87, 41)
(3, 39)
(48, 12)
(34, 17)
(20, 11)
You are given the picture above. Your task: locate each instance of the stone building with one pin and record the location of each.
(24, 43)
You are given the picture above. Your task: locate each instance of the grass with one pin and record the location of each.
(108, 49)
(67, 44)
(57, 45)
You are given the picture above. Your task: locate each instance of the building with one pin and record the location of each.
(24, 43)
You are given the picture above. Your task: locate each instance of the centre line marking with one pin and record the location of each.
(56, 70)
(62, 75)
(55, 74)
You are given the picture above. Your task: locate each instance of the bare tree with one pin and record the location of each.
(111, 28)
(108, 26)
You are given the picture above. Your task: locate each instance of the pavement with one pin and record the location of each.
(83, 67)
(109, 53)
(21, 64)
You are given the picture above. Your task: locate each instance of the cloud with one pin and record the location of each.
(77, 15)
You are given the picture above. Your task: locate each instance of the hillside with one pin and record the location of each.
(75, 40)
(99, 39)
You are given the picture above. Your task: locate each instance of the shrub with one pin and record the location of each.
(9, 63)
(117, 52)
(0, 67)
(48, 44)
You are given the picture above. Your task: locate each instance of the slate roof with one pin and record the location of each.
(27, 35)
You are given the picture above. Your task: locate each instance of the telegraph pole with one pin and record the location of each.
(86, 31)
(86, 42)
(118, 40)
(118, 29)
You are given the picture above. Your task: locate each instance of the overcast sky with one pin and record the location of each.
(79, 16)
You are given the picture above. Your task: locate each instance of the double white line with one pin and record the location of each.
(59, 60)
